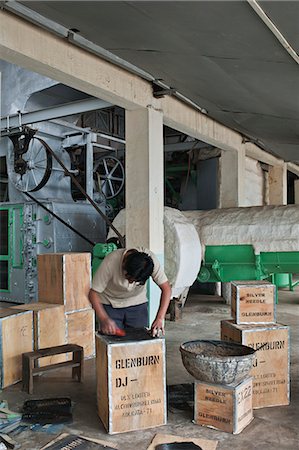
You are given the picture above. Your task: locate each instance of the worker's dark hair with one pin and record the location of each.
(138, 266)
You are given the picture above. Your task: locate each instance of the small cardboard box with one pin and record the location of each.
(253, 302)
(271, 368)
(131, 385)
(226, 408)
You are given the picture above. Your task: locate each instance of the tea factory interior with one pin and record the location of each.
(167, 125)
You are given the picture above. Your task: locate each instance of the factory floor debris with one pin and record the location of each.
(274, 428)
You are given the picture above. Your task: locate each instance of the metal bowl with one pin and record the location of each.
(218, 362)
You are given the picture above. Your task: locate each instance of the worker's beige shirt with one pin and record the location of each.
(114, 289)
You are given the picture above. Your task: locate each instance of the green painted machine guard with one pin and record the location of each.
(99, 252)
(239, 262)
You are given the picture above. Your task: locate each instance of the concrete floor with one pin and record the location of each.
(275, 428)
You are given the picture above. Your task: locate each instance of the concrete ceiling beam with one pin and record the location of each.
(38, 50)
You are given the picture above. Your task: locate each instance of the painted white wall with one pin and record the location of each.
(254, 183)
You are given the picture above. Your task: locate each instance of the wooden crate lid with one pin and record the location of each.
(8, 312)
(255, 283)
(133, 335)
(254, 326)
(37, 306)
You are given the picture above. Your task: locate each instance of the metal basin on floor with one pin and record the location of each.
(218, 362)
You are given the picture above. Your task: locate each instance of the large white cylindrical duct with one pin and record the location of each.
(266, 228)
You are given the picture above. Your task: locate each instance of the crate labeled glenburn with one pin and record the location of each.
(227, 408)
(271, 367)
(253, 302)
(131, 390)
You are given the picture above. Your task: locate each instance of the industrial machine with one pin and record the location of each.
(56, 181)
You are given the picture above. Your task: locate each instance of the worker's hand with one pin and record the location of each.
(108, 326)
(157, 328)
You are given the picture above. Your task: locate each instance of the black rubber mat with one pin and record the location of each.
(178, 446)
(47, 411)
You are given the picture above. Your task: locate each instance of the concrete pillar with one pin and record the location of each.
(232, 179)
(145, 187)
(278, 184)
(296, 188)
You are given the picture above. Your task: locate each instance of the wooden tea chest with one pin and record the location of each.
(16, 337)
(224, 407)
(80, 329)
(253, 302)
(131, 381)
(271, 368)
(49, 325)
(65, 279)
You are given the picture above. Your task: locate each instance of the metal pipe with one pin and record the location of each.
(54, 112)
(274, 30)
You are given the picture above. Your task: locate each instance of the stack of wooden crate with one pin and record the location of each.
(62, 315)
(65, 279)
(254, 324)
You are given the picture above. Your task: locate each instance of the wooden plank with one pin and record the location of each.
(45, 335)
(271, 368)
(135, 380)
(81, 330)
(65, 278)
(55, 366)
(16, 338)
(54, 350)
(226, 408)
(253, 302)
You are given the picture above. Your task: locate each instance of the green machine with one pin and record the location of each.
(99, 252)
(239, 262)
(255, 243)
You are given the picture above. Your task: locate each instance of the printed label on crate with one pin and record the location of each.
(138, 387)
(253, 304)
(226, 408)
(270, 368)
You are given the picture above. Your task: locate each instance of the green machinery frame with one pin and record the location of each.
(11, 255)
(239, 262)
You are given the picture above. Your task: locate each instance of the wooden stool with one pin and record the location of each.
(30, 358)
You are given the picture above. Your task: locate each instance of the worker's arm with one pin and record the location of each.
(158, 323)
(108, 326)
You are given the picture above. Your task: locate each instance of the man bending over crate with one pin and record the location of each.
(118, 293)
